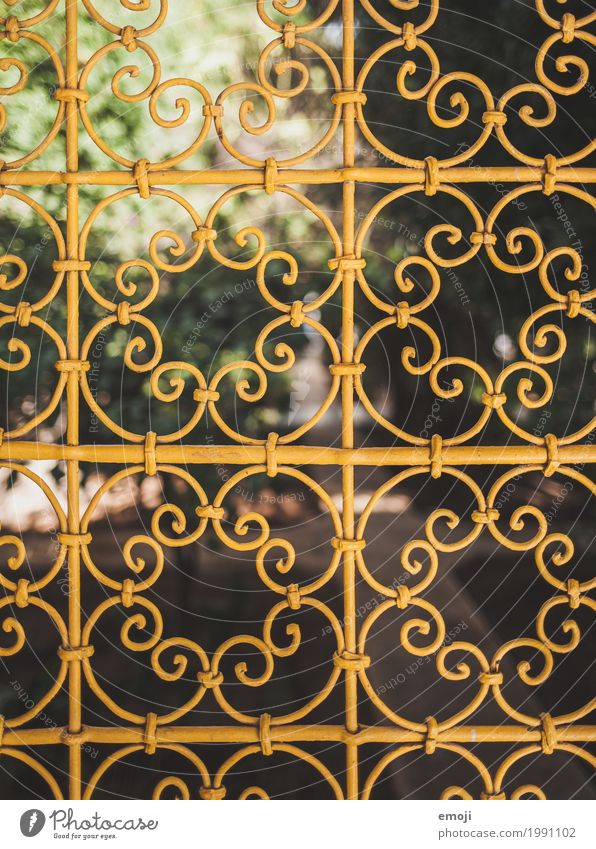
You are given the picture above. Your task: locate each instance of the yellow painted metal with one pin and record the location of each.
(150, 454)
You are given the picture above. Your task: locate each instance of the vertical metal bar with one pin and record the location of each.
(72, 397)
(347, 350)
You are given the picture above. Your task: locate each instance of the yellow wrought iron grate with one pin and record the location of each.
(173, 453)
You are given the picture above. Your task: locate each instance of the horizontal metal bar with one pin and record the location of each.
(246, 734)
(298, 455)
(294, 176)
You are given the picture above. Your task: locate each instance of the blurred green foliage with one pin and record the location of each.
(212, 315)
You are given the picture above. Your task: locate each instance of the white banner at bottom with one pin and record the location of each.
(299, 824)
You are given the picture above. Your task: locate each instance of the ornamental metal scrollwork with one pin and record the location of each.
(493, 475)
